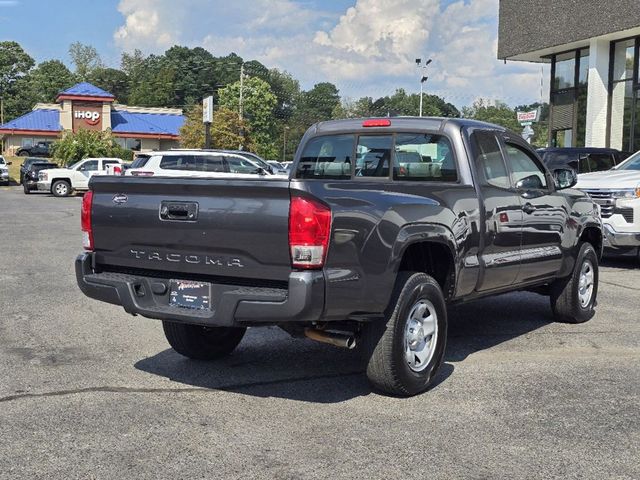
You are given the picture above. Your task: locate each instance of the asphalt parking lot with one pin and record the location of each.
(87, 391)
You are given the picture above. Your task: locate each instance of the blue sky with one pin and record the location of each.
(366, 47)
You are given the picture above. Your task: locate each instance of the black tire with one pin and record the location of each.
(202, 343)
(565, 292)
(23, 154)
(57, 190)
(26, 189)
(385, 345)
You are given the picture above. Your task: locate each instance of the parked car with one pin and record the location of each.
(197, 163)
(617, 191)
(582, 160)
(26, 165)
(347, 257)
(62, 182)
(40, 149)
(30, 178)
(277, 167)
(4, 171)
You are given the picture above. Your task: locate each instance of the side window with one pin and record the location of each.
(90, 166)
(424, 157)
(327, 157)
(525, 171)
(489, 161)
(179, 162)
(241, 165)
(212, 163)
(601, 161)
(373, 155)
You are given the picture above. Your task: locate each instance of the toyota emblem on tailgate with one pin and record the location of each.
(120, 199)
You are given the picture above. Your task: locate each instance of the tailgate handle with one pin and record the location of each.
(179, 211)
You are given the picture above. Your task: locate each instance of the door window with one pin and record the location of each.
(241, 165)
(423, 157)
(373, 155)
(525, 171)
(489, 161)
(90, 166)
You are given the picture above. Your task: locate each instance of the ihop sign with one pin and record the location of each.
(91, 117)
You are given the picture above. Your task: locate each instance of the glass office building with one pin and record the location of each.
(594, 54)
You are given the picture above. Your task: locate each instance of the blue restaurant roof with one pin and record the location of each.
(159, 123)
(46, 120)
(122, 121)
(84, 89)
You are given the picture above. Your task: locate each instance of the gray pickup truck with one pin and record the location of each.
(382, 223)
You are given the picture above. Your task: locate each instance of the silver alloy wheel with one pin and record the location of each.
(420, 335)
(62, 188)
(585, 283)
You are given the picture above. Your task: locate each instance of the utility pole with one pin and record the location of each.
(423, 78)
(240, 111)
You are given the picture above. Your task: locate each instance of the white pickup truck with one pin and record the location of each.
(617, 191)
(62, 182)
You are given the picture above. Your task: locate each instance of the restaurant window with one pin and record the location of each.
(624, 120)
(570, 77)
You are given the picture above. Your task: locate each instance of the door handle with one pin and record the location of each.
(528, 208)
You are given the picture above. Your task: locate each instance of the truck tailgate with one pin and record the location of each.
(189, 226)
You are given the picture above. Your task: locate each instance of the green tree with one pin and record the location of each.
(85, 58)
(287, 91)
(229, 132)
(498, 113)
(192, 131)
(112, 80)
(48, 79)
(258, 106)
(15, 63)
(152, 83)
(87, 143)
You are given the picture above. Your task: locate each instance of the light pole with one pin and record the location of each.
(423, 77)
(284, 143)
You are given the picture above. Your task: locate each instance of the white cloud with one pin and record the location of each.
(368, 50)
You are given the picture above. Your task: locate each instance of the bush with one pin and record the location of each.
(87, 143)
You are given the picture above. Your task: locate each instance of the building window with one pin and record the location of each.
(570, 77)
(130, 143)
(624, 122)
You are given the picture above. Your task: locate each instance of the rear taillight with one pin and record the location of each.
(117, 170)
(309, 232)
(85, 221)
(142, 174)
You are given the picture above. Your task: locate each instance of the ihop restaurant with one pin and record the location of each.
(89, 107)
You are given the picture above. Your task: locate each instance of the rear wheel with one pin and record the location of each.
(202, 343)
(23, 154)
(405, 351)
(573, 298)
(61, 188)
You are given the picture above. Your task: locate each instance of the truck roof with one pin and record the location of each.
(408, 123)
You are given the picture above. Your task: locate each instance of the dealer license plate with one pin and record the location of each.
(188, 294)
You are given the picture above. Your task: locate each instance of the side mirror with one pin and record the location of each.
(532, 182)
(565, 178)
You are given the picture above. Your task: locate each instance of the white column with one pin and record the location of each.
(597, 94)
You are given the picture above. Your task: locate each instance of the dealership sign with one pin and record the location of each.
(527, 118)
(91, 117)
(207, 110)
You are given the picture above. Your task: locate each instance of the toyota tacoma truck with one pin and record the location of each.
(382, 224)
(617, 191)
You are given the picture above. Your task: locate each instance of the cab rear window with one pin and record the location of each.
(414, 156)
(327, 157)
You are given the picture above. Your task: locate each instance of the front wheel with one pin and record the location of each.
(573, 299)
(406, 350)
(26, 189)
(202, 343)
(61, 188)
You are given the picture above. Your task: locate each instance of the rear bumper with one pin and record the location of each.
(231, 305)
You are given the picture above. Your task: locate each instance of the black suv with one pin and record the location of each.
(26, 166)
(40, 149)
(582, 160)
(30, 177)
